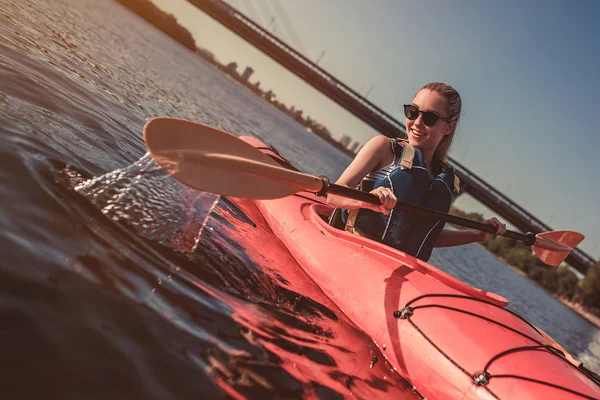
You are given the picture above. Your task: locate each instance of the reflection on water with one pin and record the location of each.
(135, 287)
(287, 334)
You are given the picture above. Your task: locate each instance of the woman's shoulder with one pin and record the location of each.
(381, 144)
(379, 140)
(379, 150)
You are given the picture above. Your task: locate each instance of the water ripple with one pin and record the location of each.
(132, 286)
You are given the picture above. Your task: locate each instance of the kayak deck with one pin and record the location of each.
(448, 339)
(454, 331)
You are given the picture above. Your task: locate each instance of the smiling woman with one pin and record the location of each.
(412, 171)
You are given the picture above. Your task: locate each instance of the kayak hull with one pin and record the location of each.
(449, 333)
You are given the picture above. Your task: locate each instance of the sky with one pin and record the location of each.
(527, 72)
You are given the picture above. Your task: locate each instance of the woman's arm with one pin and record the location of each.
(369, 158)
(448, 238)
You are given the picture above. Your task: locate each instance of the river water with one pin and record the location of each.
(109, 290)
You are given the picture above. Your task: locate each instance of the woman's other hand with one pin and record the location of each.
(387, 199)
(500, 229)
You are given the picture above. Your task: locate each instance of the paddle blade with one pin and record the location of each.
(555, 246)
(214, 161)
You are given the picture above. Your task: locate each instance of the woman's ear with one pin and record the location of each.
(449, 128)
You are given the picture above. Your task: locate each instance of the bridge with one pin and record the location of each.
(372, 115)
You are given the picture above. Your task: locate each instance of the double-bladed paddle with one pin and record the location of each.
(211, 160)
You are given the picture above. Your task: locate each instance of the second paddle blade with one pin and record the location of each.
(555, 246)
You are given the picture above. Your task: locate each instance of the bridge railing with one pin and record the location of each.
(501, 198)
(309, 64)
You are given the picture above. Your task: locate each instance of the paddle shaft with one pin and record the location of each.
(528, 239)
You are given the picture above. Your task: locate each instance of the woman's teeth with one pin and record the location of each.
(417, 133)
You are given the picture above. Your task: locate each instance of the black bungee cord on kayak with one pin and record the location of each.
(483, 378)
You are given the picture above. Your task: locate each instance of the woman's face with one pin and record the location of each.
(424, 137)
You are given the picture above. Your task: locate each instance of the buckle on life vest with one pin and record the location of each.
(408, 154)
(456, 184)
(350, 221)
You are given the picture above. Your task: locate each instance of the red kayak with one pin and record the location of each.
(450, 340)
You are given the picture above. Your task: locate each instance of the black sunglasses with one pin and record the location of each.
(429, 117)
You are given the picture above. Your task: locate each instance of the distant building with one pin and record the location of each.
(247, 73)
(269, 95)
(231, 68)
(321, 130)
(345, 140)
(354, 147)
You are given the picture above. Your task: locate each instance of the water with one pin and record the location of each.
(135, 287)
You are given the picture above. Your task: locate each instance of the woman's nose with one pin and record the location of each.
(419, 120)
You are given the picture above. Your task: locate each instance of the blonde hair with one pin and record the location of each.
(453, 108)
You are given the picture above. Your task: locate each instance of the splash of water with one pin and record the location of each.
(153, 203)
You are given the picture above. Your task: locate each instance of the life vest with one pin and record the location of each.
(409, 180)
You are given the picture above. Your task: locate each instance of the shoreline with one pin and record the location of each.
(575, 307)
(578, 308)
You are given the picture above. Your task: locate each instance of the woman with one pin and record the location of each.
(411, 171)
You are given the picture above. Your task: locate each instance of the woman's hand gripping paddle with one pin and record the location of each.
(214, 161)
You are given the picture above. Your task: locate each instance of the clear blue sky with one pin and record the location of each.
(527, 72)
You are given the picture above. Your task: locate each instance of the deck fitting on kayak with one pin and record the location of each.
(405, 313)
(373, 361)
(482, 379)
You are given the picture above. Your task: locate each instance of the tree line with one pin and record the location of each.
(160, 19)
(560, 281)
